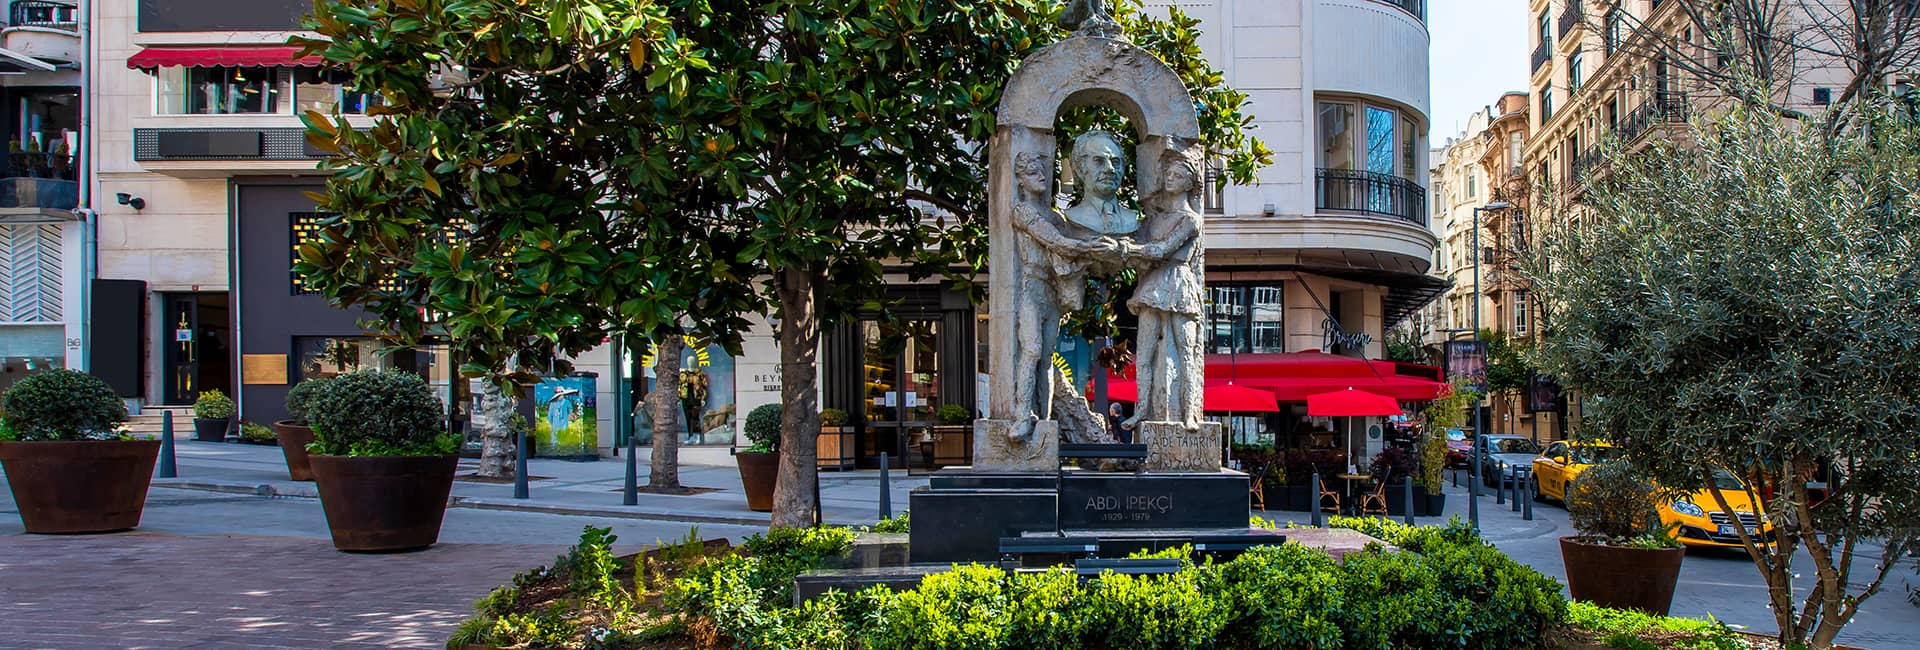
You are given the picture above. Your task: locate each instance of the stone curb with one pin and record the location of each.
(476, 503)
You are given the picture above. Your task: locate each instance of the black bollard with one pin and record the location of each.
(886, 495)
(1409, 502)
(630, 491)
(1315, 489)
(1500, 484)
(167, 467)
(1527, 513)
(1516, 497)
(520, 466)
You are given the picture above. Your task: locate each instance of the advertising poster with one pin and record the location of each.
(1543, 394)
(566, 418)
(709, 368)
(1468, 360)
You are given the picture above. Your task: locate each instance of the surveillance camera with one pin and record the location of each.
(129, 199)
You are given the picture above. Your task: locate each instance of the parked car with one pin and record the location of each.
(1459, 448)
(1562, 461)
(1698, 520)
(1506, 453)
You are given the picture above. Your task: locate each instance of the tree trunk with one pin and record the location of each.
(496, 438)
(793, 497)
(663, 406)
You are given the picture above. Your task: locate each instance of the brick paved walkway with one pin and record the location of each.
(143, 590)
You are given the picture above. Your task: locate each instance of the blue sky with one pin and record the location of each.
(1479, 52)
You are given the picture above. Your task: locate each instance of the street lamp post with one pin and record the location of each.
(1473, 501)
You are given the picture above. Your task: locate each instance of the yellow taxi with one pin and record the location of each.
(1697, 519)
(1560, 462)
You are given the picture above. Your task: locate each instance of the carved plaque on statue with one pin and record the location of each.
(263, 369)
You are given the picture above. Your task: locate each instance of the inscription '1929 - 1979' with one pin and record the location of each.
(1131, 507)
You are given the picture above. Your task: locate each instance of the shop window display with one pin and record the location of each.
(709, 366)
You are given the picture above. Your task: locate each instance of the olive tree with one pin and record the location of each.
(1745, 302)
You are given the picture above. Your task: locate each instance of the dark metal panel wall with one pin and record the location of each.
(118, 335)
(271, 313)
(222, 15)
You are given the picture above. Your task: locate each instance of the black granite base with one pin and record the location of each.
(961, 515)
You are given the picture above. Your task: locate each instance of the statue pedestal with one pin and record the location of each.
(994, 451)
(1172, 447)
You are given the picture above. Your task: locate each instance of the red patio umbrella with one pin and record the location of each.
(1351, 402)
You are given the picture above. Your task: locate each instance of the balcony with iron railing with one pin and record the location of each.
(45, 180)
(1371, 193)
(1668, 107)
(1416, 7)
(1541, 55)
(43, 13)
(1572, 16)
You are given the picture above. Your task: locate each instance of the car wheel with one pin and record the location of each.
(1537, 496)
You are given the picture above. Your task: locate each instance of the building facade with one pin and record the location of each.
(1327, 251)
(45, 236)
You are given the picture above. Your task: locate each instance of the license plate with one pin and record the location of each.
(1726, 529)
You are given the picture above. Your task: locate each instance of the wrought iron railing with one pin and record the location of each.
(31, 164)
(1387, 195)
(1416, 7)
(1663, 108)
(1573, 15)
(1542, 54)
(1585, 163)
(42, 13)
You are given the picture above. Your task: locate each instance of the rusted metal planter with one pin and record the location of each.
(1621, 577)
(91, 486)
(388, 503)
(293, 445)
(758, 473)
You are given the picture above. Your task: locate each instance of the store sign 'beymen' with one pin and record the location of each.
(1337, 338)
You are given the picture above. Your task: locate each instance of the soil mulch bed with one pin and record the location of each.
(541, 594)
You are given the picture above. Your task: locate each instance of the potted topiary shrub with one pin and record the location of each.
(1624, 557)
(835, 448)
(1433, 462)
(382, 459)
(953, 436)
(70, 469)
(212, 416)
(760, 463)
(293, 432)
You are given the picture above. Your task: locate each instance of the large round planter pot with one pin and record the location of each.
(758, 473)
(293, 445)
(206, 430)
(92, 486)
(1621, 577)
(386, 503)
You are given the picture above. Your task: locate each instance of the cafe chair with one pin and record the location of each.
(1328, 493)
(1375, 502)
(1257, 493)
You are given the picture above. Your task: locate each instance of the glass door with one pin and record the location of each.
(900, 390)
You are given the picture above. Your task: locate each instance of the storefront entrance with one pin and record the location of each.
(196, 346)
(902, 366)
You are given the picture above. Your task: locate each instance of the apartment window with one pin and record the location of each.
(220, 91)
(1822, 96)
(1520, 312)
(1409, 143)
(1336, 136)
(1516, 151)
(1384, 143)
(1546, 28)
(314, 90)
(1546, 103)
(1576, 74)
(1473, 184)
(1246, 318)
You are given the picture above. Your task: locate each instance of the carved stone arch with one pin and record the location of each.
(1083, 70)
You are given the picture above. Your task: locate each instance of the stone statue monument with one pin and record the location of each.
(1041, 256)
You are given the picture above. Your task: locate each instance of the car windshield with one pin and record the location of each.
(1722, 480)
(1456, 435)
(1514, 446)
(1595, 455)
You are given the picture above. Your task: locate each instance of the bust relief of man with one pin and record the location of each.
(1099, 167)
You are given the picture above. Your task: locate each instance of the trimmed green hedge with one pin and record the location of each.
(1448, 589)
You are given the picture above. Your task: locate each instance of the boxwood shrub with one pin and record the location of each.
(379, 413)
(1443, 588)
(63, 405)
(300, 398)
(763, 428)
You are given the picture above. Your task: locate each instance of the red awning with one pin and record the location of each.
(1214, 398)
(1292, 376)
(1352, 403)
(228, 56)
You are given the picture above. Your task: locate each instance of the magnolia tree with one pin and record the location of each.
(1745, 302)
(547, 174)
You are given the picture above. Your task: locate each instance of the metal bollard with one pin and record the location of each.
(167, 467)
(1516, 490)
(1315, 506)
(630, 490)
(1500, 484)
(1409, 502)
(886, 492)
(1527, 513)
(520, 466)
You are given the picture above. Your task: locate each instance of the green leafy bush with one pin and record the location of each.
(1613, 503)
(300, 398)
(900, 524)
(963, 609)
(213, 405)
(763, 428)
(63, 405)
(254, 433)
(1623, 628)
(379, 413)
(1285, 596)
(953, 415)
(832, 417)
